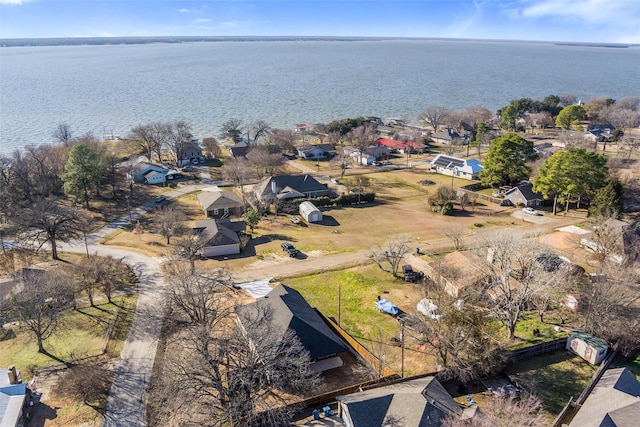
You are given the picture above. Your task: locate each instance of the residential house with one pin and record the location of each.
(370, 154)
(599, 133)
(450, 136)
(457, 271)
(13, 394)
(239, 149)
(284, 187)
(590, 348)
(290, 311)
(400, 146)
(302, 127)
(316, 151)
(421, 402)
(621, 239)
(460, 168)
(148, 173)
(191, 153)
(524, 195)
(613, 402)
(220, 204)
(223, 236)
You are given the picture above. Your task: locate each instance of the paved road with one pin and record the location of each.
(127, 398)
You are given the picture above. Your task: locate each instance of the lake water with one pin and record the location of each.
(109, 89)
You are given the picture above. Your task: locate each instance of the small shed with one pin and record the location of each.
(310, 212)
(590, 348)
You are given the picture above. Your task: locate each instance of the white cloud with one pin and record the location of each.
(585, 11)
(17, 2)
(177, 10)
(200, 20)
(464, 20)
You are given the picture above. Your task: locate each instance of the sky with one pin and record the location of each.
(603, 21)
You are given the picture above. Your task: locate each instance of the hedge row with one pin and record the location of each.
(292, 207)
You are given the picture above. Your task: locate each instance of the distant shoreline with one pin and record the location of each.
(84, 41)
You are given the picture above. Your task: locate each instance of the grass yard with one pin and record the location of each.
(554, 377)
(359, 288)
(80, 334)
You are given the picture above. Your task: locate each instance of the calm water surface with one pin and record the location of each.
(110, 89)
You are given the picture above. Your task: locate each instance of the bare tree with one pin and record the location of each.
(144, 137)
(178, 136)
(433, 115)
(63, 134)
(264, 162)
(114, 275)
(48, 221)
(259, 129)
(202, 297)
(190, 245)
(89, 384)
(87, 276)
(38, 306)
(455, 232)
(523, 410)
(610, 311)
(237, 171)
(211, 147)
(509, 257)
(284, 139)
(231, 130)
(343, 162)
(169, 222)
(391, 252)
(362, 137)
(240, 373)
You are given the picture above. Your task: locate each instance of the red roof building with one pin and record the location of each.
(394, 144)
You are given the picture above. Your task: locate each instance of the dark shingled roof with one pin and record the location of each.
(422, 402)
(291, 311)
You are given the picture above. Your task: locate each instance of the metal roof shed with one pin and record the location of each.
(310, 212)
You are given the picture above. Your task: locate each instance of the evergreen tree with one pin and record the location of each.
(505, 162)
(82, 173)
(607, 201)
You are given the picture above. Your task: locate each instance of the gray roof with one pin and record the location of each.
(291, 311)
(300, 183)
(421, 402)
(220, 234)
(526, 189)
(210, 200)
(239, 150)
(11, 399)
(614, 401)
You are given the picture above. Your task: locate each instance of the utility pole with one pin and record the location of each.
(402, 347)
(339, 292)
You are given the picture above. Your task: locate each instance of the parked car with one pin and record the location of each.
(506, 202)
(531, 211)
(160, 199)
(289, 249)
(335, 181)
(409, 274)
(376, 164)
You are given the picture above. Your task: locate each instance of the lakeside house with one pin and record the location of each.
(291, 312)
(284, 187)
(454, 166)
(400, 146)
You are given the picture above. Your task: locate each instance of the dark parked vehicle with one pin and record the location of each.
(289, 249)
(506, 202)
(409, 274)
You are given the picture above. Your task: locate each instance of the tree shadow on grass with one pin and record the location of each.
(40, 413)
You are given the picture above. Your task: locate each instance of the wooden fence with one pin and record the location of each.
(361, 350)
(537, 349)
(471, 191)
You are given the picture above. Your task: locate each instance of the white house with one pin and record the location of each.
(148, 173)
(460, 168)
(310, 212)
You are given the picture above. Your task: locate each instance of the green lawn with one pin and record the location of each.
(80, 334)
(554, 377)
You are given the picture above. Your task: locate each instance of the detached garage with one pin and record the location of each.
(309, 212)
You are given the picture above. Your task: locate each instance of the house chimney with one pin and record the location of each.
(13, 375)
(274, 188)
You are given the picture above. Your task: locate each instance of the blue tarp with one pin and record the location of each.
(387, 307)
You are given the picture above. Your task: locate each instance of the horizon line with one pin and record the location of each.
(302, 37)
